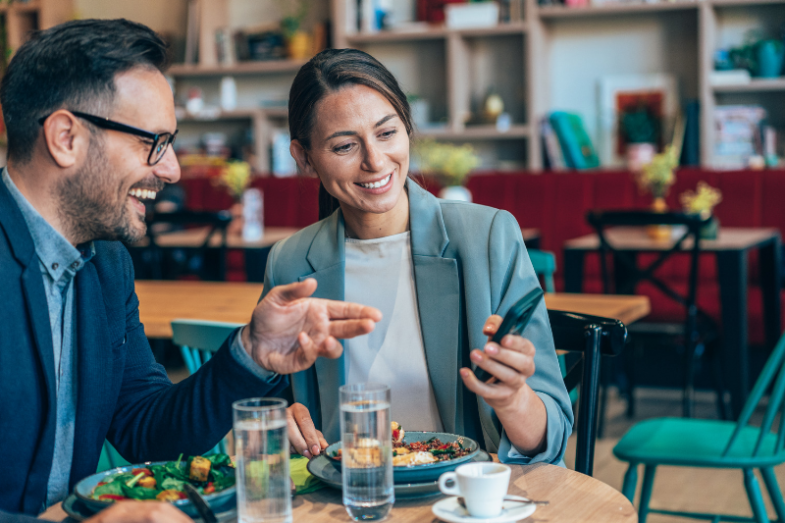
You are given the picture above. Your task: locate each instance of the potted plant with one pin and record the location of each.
(298, 42)
(702, 202)
(451, 164)
(640, 129)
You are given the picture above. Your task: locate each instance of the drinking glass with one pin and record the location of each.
(262, 448)
(366, 451)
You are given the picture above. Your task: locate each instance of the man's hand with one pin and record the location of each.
(289, 330)
(140, 512)
(303, 436)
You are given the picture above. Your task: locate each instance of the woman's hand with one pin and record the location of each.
(521, 412)
(303, 436)
(511, 364)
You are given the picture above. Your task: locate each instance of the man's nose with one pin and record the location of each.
(168, 169)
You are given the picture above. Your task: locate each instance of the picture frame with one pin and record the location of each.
(658, 91)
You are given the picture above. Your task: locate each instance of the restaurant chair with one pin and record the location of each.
(585, 339)
(206, 262)
(198, 341)
(680, 442)
(697, 331)
(544, 264)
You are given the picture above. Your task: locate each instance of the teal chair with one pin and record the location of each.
(544, 263)
(198, 340)
(714, 444)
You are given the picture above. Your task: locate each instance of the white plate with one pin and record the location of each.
(449, 510)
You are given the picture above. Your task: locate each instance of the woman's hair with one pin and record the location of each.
(328, 72)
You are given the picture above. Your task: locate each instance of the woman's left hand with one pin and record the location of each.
(511, 364)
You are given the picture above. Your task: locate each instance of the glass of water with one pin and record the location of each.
(366, 451)
(262, 448)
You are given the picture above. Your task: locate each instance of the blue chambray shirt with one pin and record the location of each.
(59, 262)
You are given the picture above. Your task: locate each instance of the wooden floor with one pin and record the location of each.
(675, 488)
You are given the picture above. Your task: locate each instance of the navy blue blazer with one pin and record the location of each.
(123, 395)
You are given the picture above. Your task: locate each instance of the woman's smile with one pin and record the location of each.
(377, 186)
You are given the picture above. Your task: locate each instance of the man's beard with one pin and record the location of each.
(91, 208)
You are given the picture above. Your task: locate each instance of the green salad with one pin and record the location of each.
(209, 474)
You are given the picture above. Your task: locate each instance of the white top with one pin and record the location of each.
(379, 273)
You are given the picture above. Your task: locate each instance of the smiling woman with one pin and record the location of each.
(439, 271)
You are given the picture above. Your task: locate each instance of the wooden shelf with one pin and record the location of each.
(554, 12)
(27, 7)
(224, 116)
(435, 33)
(756, 85)
(743, 3)
(476, 132)
(242, 68)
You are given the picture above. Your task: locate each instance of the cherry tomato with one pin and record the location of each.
(210, 488)
(112, 497)
(137, 471)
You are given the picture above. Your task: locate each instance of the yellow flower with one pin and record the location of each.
(452, 163)
(702, 201)
(236, 176)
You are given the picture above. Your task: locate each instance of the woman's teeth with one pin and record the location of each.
(376, 185)
(142, 194)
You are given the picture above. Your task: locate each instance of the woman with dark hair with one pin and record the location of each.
(440, 271)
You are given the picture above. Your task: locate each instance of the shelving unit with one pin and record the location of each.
(20, 18)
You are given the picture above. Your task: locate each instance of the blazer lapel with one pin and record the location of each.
(326, 256)
(438, 298)
(93, 362)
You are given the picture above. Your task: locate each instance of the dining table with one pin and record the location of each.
(572, 498)
(160, 302)
(732, 249)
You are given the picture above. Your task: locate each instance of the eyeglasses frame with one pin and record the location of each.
(106, 123)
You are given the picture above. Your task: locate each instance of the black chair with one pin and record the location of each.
(586, 339)
(218, 222)
(698, 330)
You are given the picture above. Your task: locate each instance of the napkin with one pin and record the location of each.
(304, 481)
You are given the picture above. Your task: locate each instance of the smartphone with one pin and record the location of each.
(515, 322)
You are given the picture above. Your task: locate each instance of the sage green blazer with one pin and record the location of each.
(469, 262)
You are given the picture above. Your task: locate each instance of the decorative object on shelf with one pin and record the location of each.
(618, 94)
(737, 137)
(449, 163)
(432, 11)
(469, 15)
(702, 202)
(235, 176)
(228, 93)
(493, 106)
(575, 143)
(761, 56)
(640, 119)
(298, 42)
(253, 215)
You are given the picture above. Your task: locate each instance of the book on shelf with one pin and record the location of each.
(690, 149)
(738, 135)
(576, 146)
(553, 159)
(192, 32)
(730, 77)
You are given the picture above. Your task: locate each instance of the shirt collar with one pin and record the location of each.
(57, 255)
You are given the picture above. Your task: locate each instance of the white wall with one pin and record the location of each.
(163, 16)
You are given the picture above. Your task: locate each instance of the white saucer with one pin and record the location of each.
(449, 510)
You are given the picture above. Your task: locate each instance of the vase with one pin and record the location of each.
(659, 232)
(456, 192)
(770, 55)
(298, 46)
(711, 230)
(639, 155)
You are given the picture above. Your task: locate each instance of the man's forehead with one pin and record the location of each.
(143, 98)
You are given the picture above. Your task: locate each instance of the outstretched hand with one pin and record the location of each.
(289, 330)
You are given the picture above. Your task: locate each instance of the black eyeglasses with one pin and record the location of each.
(160, 140)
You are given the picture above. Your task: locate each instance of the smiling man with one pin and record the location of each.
(90, 120)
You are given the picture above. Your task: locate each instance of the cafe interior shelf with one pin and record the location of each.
(615, 9)
(241, 68)
(756, 85)
(433, 33)
(477, 132)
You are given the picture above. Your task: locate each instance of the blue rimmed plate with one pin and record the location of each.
(83, 490)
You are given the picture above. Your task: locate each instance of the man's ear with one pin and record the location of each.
(65, 138)
(300, 156)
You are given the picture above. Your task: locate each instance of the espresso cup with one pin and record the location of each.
(481, 485)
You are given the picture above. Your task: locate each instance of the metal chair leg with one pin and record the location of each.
(648, 484)
(775, 493)
(630, 482)
(755, 497)
(689, 380)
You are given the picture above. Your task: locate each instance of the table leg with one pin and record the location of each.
(771, 286)
(573, 270)
(732, 269)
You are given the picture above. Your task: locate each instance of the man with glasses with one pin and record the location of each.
(90, 122)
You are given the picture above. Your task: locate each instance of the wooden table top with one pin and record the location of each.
(628, 309)
(530, 234)
(636, 239)
(160, 302)
(573, 498)
(193, 238)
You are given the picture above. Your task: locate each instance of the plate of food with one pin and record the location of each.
(322, 468)
(417, 456)
(213, 476)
